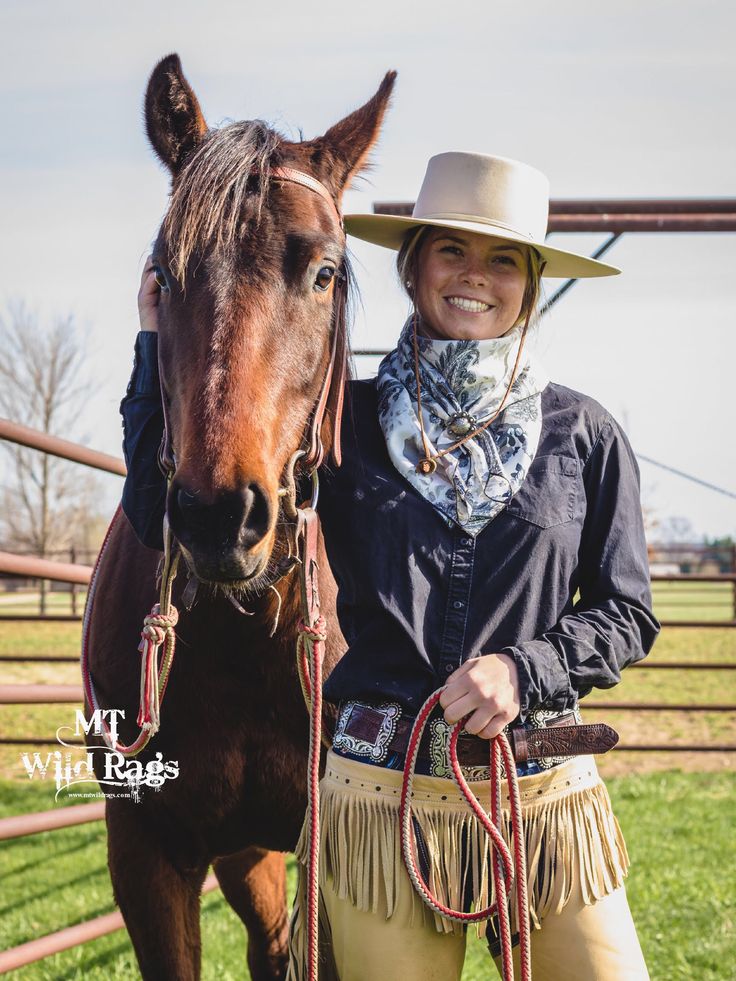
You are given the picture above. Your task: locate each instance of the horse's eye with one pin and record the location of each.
(160, 278)
(324, 278)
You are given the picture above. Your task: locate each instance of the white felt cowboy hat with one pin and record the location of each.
(475, 192)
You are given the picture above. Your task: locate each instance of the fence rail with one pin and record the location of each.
(55, 943)
(14, 432)
(31, 567)
(40, 694)
(22, 825)
(39, 659)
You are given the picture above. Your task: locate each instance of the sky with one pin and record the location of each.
(627, 100)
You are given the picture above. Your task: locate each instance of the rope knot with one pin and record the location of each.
(316, 632)
(157, 624)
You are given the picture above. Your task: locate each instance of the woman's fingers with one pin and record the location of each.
(459, 708)
(492, 729)
(462, 670)
(149, 295)
(485, 718)
(482, 690)
(478, 721)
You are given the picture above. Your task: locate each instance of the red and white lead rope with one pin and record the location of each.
(505, 868)
(158, 631)
(310, 657)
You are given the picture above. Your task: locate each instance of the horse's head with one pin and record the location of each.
(252, 309)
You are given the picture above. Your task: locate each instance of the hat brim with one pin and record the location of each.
(389, 231)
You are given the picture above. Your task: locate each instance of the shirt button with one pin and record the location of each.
(466, 541)
(449, 669)
(458, 605)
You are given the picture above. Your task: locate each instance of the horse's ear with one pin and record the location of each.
(174, 121)
(344, 148)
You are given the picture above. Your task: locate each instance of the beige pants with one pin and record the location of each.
(581, 943)
(373, 925)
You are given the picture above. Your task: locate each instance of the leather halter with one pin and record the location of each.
(315, 452)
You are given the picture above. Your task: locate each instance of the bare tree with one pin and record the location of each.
(47, 503)
(677, 530)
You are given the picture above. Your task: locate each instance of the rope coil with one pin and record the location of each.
(507, 863)
(505, 866)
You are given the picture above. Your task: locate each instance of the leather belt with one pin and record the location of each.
(561, 737)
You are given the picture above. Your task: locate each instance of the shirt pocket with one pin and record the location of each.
(549, 493)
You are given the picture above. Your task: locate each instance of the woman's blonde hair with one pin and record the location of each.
(407, 266)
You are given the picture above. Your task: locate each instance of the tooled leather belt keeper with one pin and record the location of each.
(561, 737)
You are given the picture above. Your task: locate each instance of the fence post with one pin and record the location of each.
(73, 560)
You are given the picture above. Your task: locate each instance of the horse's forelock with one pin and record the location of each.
(208, 197)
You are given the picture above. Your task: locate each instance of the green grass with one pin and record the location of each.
(28, 601)
(694, 600)
(681, 887)
(52, 638)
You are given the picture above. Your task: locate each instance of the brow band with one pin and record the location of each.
(306, 180)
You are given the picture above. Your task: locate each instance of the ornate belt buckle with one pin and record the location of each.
(439, 746)
(377, 751)
(439, 755)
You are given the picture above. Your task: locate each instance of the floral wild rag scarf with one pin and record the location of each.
(462, 385)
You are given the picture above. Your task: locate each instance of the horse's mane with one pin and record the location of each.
(208, 195)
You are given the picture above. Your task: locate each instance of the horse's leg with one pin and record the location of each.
(254, 883)
(157, 895)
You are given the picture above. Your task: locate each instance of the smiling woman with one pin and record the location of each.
(470, 286)
(533, 494)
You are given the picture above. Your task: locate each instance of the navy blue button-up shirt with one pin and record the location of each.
(559, 579)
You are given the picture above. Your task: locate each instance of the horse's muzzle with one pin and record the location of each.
(221, 532)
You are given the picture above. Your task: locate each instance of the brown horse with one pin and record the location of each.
(247, 318)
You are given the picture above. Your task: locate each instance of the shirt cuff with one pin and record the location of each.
(543, 679)
(145, 378)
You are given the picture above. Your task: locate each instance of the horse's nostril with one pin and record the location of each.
(230, 519)
(191, 513)
(257, 517)
(187, 501)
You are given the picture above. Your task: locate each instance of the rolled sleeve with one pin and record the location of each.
(144, 491)
(612, 624)
(145, 379)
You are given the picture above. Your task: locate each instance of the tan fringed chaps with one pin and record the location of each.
(571, 833)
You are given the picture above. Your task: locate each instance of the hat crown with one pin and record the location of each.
(482, 188)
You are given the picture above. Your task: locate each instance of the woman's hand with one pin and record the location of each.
(487, 687)
(148, 297)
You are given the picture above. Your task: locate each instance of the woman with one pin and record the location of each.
(475, 500)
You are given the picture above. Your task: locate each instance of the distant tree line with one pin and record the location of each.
(48, 506)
